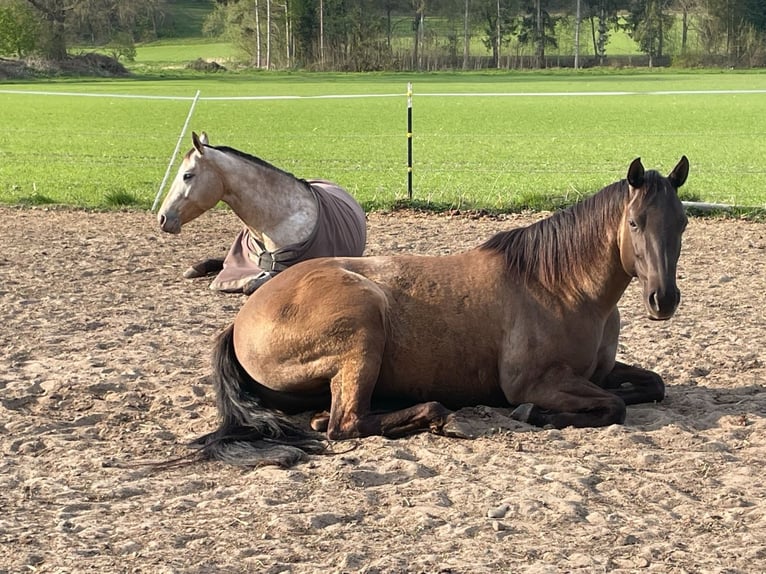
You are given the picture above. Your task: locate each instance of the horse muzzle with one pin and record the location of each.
(169, 224)
(662, 305)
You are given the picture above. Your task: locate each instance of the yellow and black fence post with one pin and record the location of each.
(409, 141)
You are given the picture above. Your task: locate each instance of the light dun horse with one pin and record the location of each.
(286, 219)
(527, 319)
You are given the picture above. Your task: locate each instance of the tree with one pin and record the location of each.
(537, 28)
(19, 28)
(122, 46)
(418, 26)
(647, 24)
(98, 21)
(578, 23)
(466, 34)
(736, 27)
(54, 14)
(305, 28)
(246, 23)
(499, 18)
(603, 16)
(686, 6)
(755, 14)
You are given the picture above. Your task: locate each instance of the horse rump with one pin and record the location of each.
(248, 433)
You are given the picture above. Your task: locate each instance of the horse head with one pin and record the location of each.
(650, 239)
(196, 188)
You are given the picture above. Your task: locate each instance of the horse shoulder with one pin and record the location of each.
(542, 331)
(607, 352)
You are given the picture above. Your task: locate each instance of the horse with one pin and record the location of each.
(286, 219)
(392, 345)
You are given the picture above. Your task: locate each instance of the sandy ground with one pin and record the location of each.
(104, 354)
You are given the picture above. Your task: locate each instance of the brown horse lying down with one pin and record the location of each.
(530, 320)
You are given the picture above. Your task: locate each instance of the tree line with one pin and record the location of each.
(361, 35)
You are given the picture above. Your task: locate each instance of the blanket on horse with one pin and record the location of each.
(341, 230)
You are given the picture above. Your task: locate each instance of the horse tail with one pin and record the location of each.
(248, 433)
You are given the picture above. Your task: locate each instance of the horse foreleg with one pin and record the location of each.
(203, 268)
(634, 385)
(560, 398)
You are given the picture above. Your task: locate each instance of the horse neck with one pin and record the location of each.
(573, 256)
(588, 236)
(277, 208)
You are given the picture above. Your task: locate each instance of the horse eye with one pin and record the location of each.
(188, 175)
(632, 223)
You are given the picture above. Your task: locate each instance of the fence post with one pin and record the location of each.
(409, 141)
(175, 151)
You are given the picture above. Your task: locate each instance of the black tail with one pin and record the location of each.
(249, 434)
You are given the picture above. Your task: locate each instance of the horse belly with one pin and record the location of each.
(455, 382)
(443, 331)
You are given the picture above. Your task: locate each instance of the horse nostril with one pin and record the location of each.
(654, 302)
(162, 219)
(662, 304)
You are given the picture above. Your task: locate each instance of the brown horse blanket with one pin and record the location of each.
(341, 231)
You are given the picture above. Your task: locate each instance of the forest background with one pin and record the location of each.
(398, 35)
(503, 140)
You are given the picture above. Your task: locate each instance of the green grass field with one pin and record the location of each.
(477, 151)
(175, 53)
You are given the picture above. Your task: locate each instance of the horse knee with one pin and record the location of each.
(656, 390)
(616, 411)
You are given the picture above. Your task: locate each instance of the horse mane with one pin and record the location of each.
(562, 249)
(250, 158)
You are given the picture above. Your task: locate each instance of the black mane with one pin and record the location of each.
(251, 158)
(559, 248)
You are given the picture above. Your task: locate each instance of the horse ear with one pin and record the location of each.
(679, 174)
(636, 173)
(199, 145)
(203, 138)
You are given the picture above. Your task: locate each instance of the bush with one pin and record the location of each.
(122, 46)
(201, 65)
(19, 29)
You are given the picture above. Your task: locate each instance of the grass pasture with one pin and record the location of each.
(550, 139)
(175, 54)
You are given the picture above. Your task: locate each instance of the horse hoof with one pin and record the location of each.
(204, 268)
(320, 421)
(455, 427)
(193, 273)
(524, 413)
